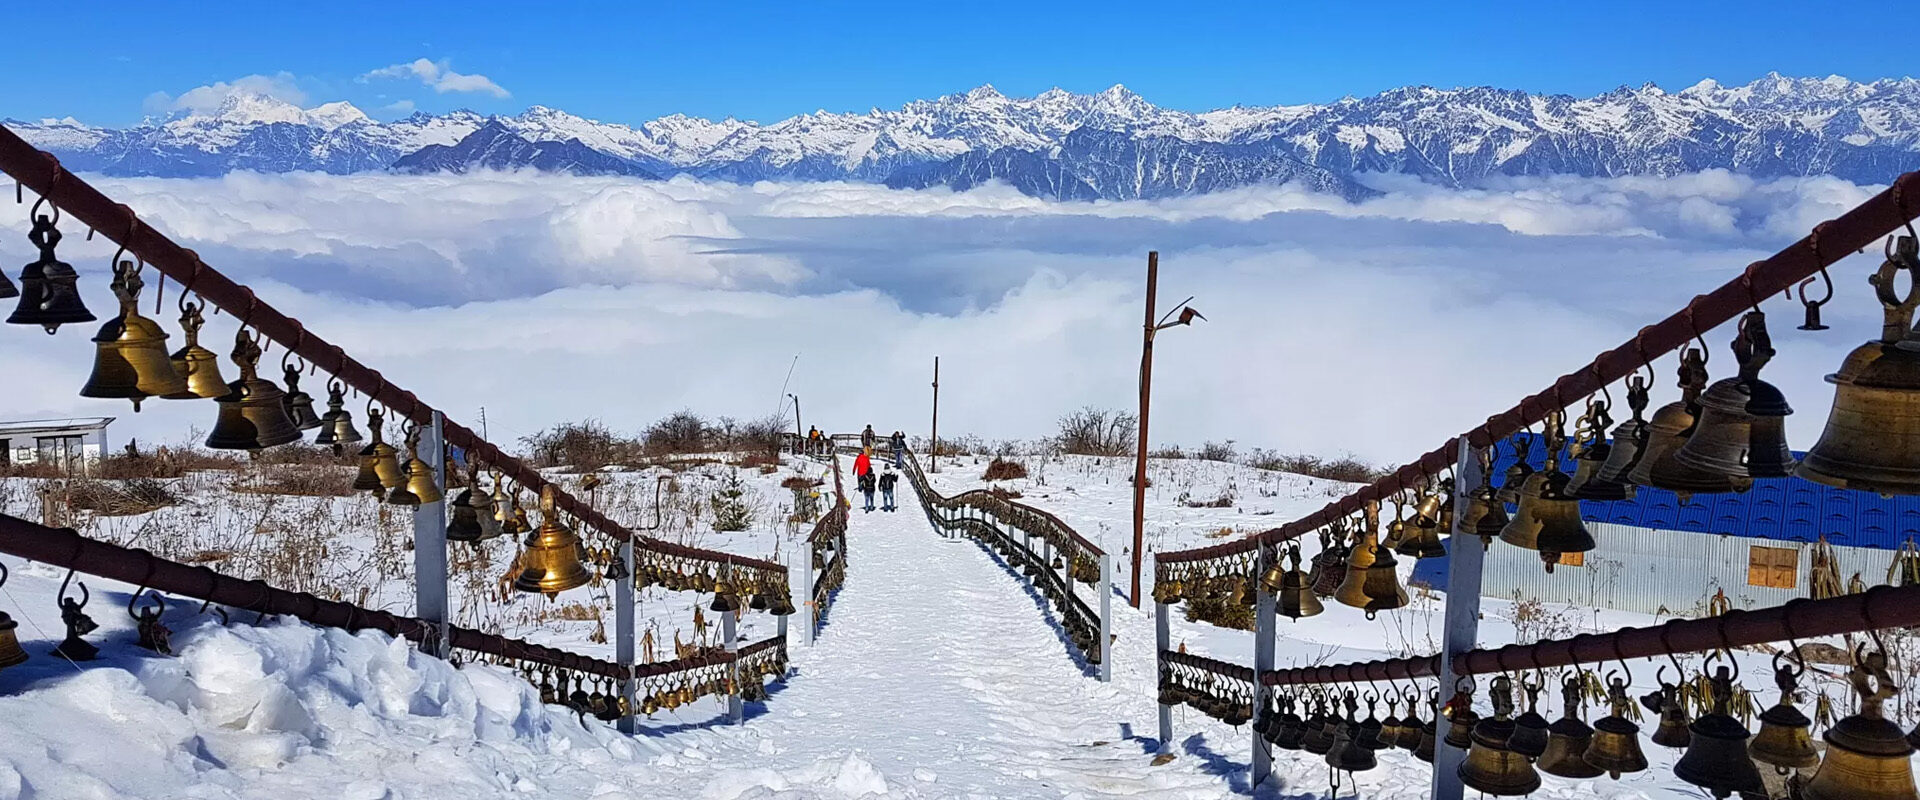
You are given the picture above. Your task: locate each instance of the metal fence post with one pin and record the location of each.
(1163, 642)
(430, 542)
(804, 602)
(1464, 557)
(1105, 586)
(735, 708)
(1263, 632)
(623, 635)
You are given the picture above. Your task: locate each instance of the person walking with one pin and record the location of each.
(899, 443)
(866, 438)
(813, 441)
(886, 489)
(862, 465)
(866, 488)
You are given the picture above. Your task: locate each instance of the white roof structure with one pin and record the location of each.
(71, 426)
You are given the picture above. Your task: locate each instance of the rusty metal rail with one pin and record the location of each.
(1829, 242)
(1213, 665)
(41, 172)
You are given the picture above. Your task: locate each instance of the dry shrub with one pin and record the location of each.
(166, 462)
(303, 480)
(1096, 432)
(118, 498)
(1004, 494)
(1346, 469)
(1223, 501)
(758, 460)
(585, 446)
(800, 482)
(1003, 470)
(35, 470)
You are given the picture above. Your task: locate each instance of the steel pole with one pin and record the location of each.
(935, 452)
(623, 643)
(735, 707)
(1105, 586)
(1464, 557)
(1140, 461)
(1263, 633)
(430, 542)
(1163, 642)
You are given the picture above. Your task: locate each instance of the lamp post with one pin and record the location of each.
(796, 416)
(934, 451)
(1153, 326)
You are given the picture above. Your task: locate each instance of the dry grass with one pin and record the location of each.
(299, 481)
(116, 498)
(1001, 469)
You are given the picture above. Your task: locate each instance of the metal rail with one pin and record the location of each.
(41, 172)
(1829, 242)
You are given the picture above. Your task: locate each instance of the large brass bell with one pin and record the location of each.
(1516, 477)
(1296, 594)
(1529, 729)
(251, 416)
(1383, 588)
(1742, 429)
(420, 480)
(379, 461)
(10, 652)
(1629, 442)
(1867, 756)
(1872, 439)
(130, 351)
(1785, 739)
(1670, 429)
(551, 562)
(198, 365)
(1717, 760)
(299, 404)
(1422, 535)
(1361, 556)
(463, 525)
(49, 288)
(1569, 736)
(1558, 515)
(336, 426)
(1491, 765)
(1616, 740)
(1592, 456)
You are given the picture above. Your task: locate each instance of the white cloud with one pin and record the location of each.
(1378, 328)
(204, 99)
(438, 76)
(399, 107)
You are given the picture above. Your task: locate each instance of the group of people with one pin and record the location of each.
(864, 477)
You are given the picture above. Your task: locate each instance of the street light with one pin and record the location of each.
(1153, 326)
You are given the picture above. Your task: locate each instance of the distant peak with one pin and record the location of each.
(1119, 92)
(985, 92)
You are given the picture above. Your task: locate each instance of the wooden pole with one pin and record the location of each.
(1140, 463)
(935, 451)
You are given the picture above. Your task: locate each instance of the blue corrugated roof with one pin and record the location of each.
(1775, 508)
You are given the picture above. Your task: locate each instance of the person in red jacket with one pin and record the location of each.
(862, 465)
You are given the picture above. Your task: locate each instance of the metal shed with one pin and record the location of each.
(73, 445)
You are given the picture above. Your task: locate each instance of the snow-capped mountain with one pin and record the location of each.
(1111, 145)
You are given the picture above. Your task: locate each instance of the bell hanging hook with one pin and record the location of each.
(85, 596)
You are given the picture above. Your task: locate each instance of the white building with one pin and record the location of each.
(72, 445)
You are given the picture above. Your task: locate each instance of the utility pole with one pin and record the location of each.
(935, 450)
(1187, 316)
(796, 417)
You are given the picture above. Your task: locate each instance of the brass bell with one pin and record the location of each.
(1672, 708)
(1320, 727)
(1429, 741)
(1383, 588)
(1785, 739)
(1273, 578)
(1592, 456)
(251, 416)
(1872, 439)
(379, 461)
(10, 652)
(1569, 737)
(1558, 515)
(1329, 566)
(1867, 756)
(198, 365)
(1410, 725)
(1742, 429)
(1491, 765)
(1629, 442)
(130, 351)
(1521, 530)
(1289, 729)
(1460, 720)
(420, 474)
(1424, 542)
(1529, 737)
(1516, 478)
(1360, 558)
(725, 601)
(299, 404)
(464, 524)
(551, 562)
(1296, 595)
(336, 426)
(1349, 752)
(1717, 760)
(1616, 740)
(49, 290)
(1670, 429)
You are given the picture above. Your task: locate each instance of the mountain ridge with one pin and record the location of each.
(1112, 144)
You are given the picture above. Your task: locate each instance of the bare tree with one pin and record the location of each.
(1097, 432)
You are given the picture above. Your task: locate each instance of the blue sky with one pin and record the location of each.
(112, 62)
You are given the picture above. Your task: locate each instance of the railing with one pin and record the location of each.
(1051, 555)
(68, 193)
(828, 547)
(1244, 571)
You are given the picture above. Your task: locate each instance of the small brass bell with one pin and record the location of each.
(551, 561)
(251, 416)
(1491, 765)
(1318, 736)
(299, 404)
(1616, 740)
(1629, 441)
(1329, 566)
(1672, 708)
(10, 652)
(379, 461)
(1429, 741)
(1424, 542)
(74, 617)
(336, 426)
(1273, 578)
(198, 365)
(1717, 760)
(1460, 720)
(130, 351)
(1296, 595)
(1785, 739)
(1516, 478)
(1669, 431)
(1742, 429)
(1360, 558)
(1872, 439)
(1592, 457)
(49, 290)
(1383, 588)
(1410, 725)
(1350, 753)
(1569, 737)
(420, 474)
(1289, 728)
(1868, 758)
(464, 523)
(1521, 529)
(1529, 729)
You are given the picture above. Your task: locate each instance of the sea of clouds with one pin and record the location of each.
(1376, 328)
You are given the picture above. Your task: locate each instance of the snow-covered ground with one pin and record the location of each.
(938, 673)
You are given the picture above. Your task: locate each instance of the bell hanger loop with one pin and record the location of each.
(85, 596)
(160, 603)
(33, 212)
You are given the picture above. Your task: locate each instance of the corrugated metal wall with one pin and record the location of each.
(1654, 571)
